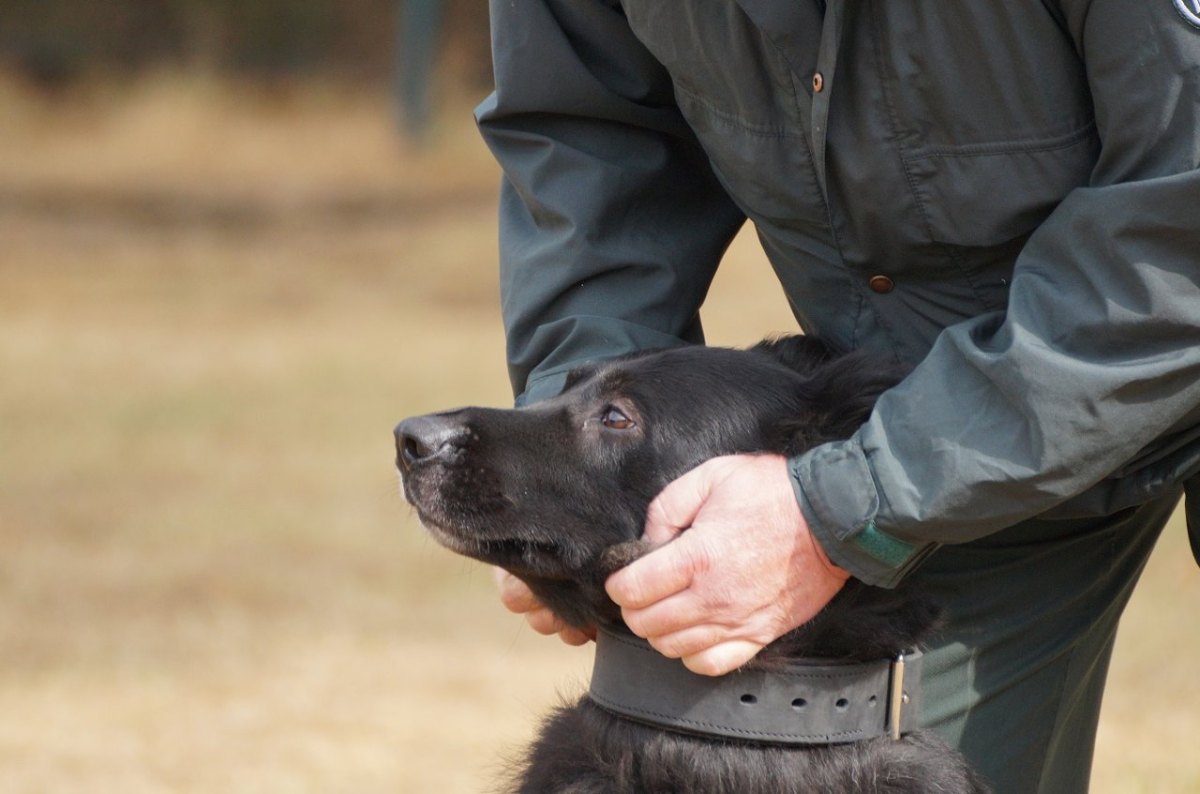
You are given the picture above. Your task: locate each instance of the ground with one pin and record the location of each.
(215, 303)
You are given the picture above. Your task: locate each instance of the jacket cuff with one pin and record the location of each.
(840, 501)
(542, 387)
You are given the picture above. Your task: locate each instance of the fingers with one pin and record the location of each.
(545, 622)
(688, 641)
(514, 594)
(517, 597)
(723, 658)
(676, 507)
(661, 573)
(669, 569)
(573, 636)
(746, 571)
(669, 616)
(707, 649)
(675, 628)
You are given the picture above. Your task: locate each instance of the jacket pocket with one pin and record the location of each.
(989, 103)
(986, 194)
(765, 167)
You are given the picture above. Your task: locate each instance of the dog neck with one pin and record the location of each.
(804, 702)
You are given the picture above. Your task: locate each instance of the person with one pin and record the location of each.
(1003, 195)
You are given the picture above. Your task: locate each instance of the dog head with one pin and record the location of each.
(557, 492)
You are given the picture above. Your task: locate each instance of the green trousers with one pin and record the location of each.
(1015, 677)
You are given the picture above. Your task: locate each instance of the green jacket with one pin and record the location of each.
(1004, 193)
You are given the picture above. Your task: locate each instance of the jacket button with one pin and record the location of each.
(881, 284)
(818, 82)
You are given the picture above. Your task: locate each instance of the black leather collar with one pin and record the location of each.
(806, 702)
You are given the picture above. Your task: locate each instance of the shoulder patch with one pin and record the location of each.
(1189, 10)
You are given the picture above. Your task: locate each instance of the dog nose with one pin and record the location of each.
(423, 437)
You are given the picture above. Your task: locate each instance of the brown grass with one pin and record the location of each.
(215, 305)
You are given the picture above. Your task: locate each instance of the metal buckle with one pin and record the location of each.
(897, 698)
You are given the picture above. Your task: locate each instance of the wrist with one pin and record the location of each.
(830, 567)
(836, 494)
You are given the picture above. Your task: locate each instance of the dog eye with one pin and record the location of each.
(614, 419)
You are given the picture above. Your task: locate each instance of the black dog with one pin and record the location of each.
(557, 494)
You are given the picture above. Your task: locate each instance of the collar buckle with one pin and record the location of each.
(898, 698)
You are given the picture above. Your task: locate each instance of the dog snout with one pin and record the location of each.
(423, 438)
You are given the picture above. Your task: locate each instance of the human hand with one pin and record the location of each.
(746, 571)
(517, 597)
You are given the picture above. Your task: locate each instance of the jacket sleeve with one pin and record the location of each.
(1091, 376)
(611, 221)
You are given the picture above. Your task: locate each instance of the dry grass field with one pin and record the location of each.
(215, 303)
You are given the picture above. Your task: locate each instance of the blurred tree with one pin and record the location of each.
(55, 42)
(420, 23)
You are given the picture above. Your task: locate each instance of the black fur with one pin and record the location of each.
(558, 496)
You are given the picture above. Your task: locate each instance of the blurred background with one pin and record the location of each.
(238, 242)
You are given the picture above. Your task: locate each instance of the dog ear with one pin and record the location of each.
(619, 555)
(840, 394)
(803, 354)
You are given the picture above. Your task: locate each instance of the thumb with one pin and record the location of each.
(677, 505)
(723, 658)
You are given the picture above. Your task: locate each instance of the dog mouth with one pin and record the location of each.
(465, 511)
(459, 534)
(515, 554)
